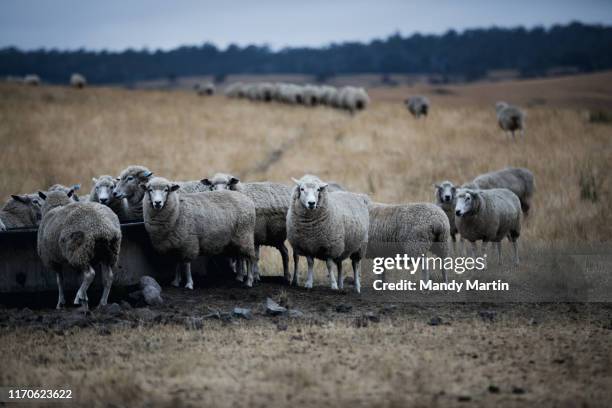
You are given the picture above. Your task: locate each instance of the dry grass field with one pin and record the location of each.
(541, 354)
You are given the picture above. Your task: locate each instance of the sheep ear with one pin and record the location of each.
(42, 195)
(323, 186)
(70, 193)
(233, 181)
(95, 180)
(206, 182)
(295, 181)
(174, 187)
(22, 199)
(147, 174)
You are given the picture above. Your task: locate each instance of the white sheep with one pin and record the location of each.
(446, 198)
(234, 90)
(417, 105)
(490, 216)
(31, 79)
(412, 229)
(354, 99)
(77, 81)
(271, 205)
(520, 181)
(510, 118)
(80, 235)
(207, 89)
(186, 226)
(312, 95)
(328, 226)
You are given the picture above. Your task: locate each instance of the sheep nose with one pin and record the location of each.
(446, 198)
(157, 204)
(458, 213)
(104, 200)
(115, 194)
(311, 204)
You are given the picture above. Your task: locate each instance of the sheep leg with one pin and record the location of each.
(340, 277)
(483, 252)
(249, 267)
(177, 276)
(499, 252)
(186, 271)
(454, 238)
(330, 273)
(515, 248)
(61, 300)
(81, 297)
(256, 264)
(296, 273)
(240, 273)
(107, 281)
(285, 255)
(424, 274)
(357, 274)
(474, 249)
(310, 277)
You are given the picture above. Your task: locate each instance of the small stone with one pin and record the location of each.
(242, 312)
(274, 309)
(294, 313)
(464, 398)
(518, 390)
(149, 281)
(435, 321)
(488, 315)
(342, 308)
(152, 295)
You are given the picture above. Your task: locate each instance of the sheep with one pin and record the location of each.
(66, 189)
(208, 89)
(327, 93)
(311, 95)
(185, 226)
(271, 205)
(2, 226)
(353, 99)
(234, 90)
(81, 235)
(489, 215)
(412, 229)
(31, 79)
(128, 188)
(510, 118)
(417, 105)
(446, 198)
(327, 226)
(21, 211)
(78, 81)
(518, 180)
(102, 192)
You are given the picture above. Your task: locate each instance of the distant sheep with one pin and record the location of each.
(312, 95)
(186, 226)
(417, 105)
(80, 235)
(510, 118)
(518, 180)
(208, 89)
(271, 205)
(21, 211)
(490, 216)
(412, 229)
(78, 81)
(234, 90)
(327, 226)
(32, 79)
(354, 99)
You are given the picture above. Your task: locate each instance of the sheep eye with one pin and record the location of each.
(130, 178)
(301, 189)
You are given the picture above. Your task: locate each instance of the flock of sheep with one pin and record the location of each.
(222, 215)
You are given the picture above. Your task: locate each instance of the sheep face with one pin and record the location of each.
(467, 203)
(309, 192)
(104, 187)
(129, 183)
(30, 204)
(446, 192)
(54, 199)
(157, 192)
(220, 182)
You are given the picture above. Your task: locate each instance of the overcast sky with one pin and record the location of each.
(119, 24)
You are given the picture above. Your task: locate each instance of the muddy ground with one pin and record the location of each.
(328, 349)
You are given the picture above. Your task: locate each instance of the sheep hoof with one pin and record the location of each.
(189, 285)
(175, 283)
(308, 285)
(60, 305)
(334, 286)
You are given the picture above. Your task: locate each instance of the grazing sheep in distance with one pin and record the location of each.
(446, 199)
(417, 105)
(311, 95)
(510, 118)
(518, 180)
(490, 216)
(186, 226)
(271, 205)
(327, 226)
(354, 99)
(81, 235)
(412, 229)
(32, 79)
(78, 81)
(208, 89)
(234, 90)
(21, 211)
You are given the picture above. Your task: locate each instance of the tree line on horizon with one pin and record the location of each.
(467, 55)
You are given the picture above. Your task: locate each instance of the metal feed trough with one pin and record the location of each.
(21, 270)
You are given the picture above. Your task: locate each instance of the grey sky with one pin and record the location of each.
(119, 24)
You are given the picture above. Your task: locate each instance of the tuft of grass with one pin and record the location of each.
(590, 182)
(600, 116)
